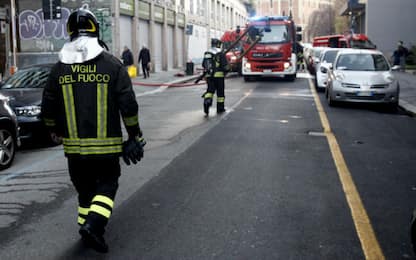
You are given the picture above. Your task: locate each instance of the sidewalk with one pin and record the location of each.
(407, 98)
(164, 78)
(407, 82)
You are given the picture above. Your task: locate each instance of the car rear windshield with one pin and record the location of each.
(317, 52)
(329, 56)
(362, 62)
(27, 78)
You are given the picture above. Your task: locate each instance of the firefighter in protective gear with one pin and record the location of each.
(87, 91)
(215, 68)
(299, 57)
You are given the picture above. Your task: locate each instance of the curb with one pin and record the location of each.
(407, 107)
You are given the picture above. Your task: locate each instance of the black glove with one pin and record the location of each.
(133, 150)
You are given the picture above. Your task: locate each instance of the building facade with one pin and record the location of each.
(161, 25)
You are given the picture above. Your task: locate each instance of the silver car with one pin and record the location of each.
(362, 76)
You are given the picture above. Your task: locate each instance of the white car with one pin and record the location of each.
(326, 58)
(362, 76)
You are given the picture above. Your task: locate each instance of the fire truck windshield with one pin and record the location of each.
(277, 34)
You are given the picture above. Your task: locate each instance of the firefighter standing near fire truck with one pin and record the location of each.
(87, 91)
(215, 68)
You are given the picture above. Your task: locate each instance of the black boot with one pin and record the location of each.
(207, 104)
(220, 108)
(92, 239)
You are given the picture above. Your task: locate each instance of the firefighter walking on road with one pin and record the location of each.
(87, 91)
(215, 68)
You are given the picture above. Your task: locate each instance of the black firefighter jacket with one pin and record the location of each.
(83, 104)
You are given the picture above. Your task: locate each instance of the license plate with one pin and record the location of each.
(364, 94)
(267, 71)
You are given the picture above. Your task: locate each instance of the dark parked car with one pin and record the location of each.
(9, 139)
(24, 90)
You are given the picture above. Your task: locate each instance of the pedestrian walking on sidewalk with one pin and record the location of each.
(402, 53)
(127, 57)
(215, 68)
(144, 58)
(86, 93)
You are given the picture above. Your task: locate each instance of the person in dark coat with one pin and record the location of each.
(396, 58)
(144, 58)
(402, 52)
(127, 57)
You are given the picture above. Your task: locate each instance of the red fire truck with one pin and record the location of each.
(229, 38)
(356, 40)
(275, 53)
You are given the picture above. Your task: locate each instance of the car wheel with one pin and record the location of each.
(393, 107)
(7, 148)
(330, 101)
(315, 81)
(290, 77)
(246, 78)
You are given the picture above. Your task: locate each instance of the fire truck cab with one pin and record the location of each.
(275, 53)
(233, 56)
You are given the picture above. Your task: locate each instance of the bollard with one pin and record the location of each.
(190, 68)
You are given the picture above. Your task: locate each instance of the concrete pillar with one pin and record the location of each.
(135, 34)
(116, 28)
(151, 35)
(208, 16)
(175, 42)
(165, 40)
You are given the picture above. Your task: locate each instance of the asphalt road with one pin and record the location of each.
(260, 182)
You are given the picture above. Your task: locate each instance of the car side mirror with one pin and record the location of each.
(395, 68)
(324, 70)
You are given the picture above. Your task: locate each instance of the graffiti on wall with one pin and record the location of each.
(37, 34)
(33, 26)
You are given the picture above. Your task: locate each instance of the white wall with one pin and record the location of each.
(197, 44)
(390, 21)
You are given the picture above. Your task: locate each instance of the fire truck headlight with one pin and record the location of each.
(286, 65)
(247, 66)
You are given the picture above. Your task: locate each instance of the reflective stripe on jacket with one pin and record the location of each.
(83, 103)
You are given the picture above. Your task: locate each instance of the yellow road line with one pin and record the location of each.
(369, 243)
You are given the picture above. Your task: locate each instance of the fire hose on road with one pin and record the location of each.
(169, 85)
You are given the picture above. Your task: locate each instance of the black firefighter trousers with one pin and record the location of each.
(96, 181)
(216, 84)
